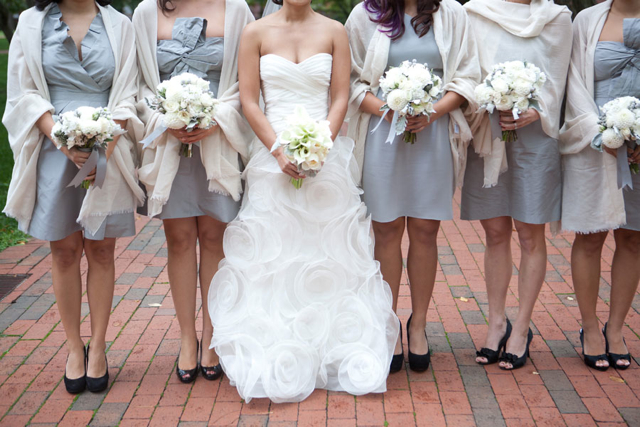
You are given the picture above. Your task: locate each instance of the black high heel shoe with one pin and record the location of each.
(397, 361)
(613, 357)
(187, 376)
(77, 385)
(417, 362)
(208, 372)
(96, 385)
(492, 356)
(515, 361)
(590, 361)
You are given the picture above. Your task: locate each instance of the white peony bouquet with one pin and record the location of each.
(186, 102)
(306, 143)
(87, 129)
(511, 86)
(409, 90)
(619, 124)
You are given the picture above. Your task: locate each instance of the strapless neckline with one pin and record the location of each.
(317, 55)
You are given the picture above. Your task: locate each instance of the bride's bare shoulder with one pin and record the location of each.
(330, 26)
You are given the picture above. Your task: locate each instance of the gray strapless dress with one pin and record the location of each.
(191, 51)
(617, 73)
(72, 83)
(402, 179)
(530, 191)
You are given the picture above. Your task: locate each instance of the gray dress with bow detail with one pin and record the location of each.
(191, 51)
(72, 83)
(617, 74)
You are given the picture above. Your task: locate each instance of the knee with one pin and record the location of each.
(179, 241)
(530, 239)
(590, 244)
(424, 231)
(66, 256)
(211, 238)
(629, 241)
(388, 232)
(497, 235)
(100, 251)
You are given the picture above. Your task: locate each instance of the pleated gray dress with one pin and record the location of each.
(191, 51)
(412, 180)
(530, 191)
(72, 83)
(617, 73)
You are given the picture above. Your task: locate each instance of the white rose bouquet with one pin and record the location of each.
(306, 143)
(186, 102)
(87, 129)
(511, 86)
(619, 125)
(409, 90)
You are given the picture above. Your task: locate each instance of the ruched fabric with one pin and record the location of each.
(299, 302)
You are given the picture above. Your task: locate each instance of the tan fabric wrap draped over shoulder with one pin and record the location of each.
(542, 29)
(28, 99)
(591, 201)
(219, 152)
(369, 55)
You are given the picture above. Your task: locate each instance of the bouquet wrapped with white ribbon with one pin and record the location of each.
(619, 126)
(511, 86)
(186, 103)
(306, 143)
(409, 90)
(87, 129)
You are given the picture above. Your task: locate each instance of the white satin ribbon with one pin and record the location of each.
(392, 128)
(156, 133)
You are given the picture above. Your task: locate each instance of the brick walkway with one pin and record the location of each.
(557, 389)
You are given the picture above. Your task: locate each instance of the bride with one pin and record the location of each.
(299, 302)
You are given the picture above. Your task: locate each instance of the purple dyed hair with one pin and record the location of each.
(390, 15)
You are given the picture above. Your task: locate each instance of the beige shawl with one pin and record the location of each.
(541, 34)
(369, 55)
(591, 201)
(28, 99)
(219, 152)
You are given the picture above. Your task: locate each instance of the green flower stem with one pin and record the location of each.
(86, 184)
(509, 136)
(297, 182)
(409, 137)
(186, 150)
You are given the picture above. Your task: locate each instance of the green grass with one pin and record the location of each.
(9, 233)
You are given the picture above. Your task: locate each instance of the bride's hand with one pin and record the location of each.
(285, 165)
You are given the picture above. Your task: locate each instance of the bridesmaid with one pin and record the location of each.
(67, 54)
(433, 32)
(527, 194)
(194, 196)
(606, 42)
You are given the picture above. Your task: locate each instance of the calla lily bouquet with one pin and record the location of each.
(186, 102)
(306, 143)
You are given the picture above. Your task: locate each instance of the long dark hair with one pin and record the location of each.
(390, 15)
(42, 4)
(166, 6)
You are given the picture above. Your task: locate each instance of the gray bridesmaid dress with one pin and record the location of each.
(191, 51)
(530, 191)
(617, 73)
(412, 180)
(72, 83)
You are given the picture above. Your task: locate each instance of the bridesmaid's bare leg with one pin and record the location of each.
(585, 272)
(210, 234)
(388, 251)
(67, 286)
(422, 263)
(533, 266)
(625, 274)
(100, 285)
(498, 268)
(182, 234)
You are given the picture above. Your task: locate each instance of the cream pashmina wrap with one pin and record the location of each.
(369, 55)
(510, 31)
(591, 200)
(28, 99)
(219, 152)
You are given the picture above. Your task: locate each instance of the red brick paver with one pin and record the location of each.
(554, 389)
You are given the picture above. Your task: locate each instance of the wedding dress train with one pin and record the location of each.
(299, 302)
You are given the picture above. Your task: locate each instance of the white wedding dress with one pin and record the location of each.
(299, 302)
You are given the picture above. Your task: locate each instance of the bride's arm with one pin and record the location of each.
(340, 79)
(249, 81)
